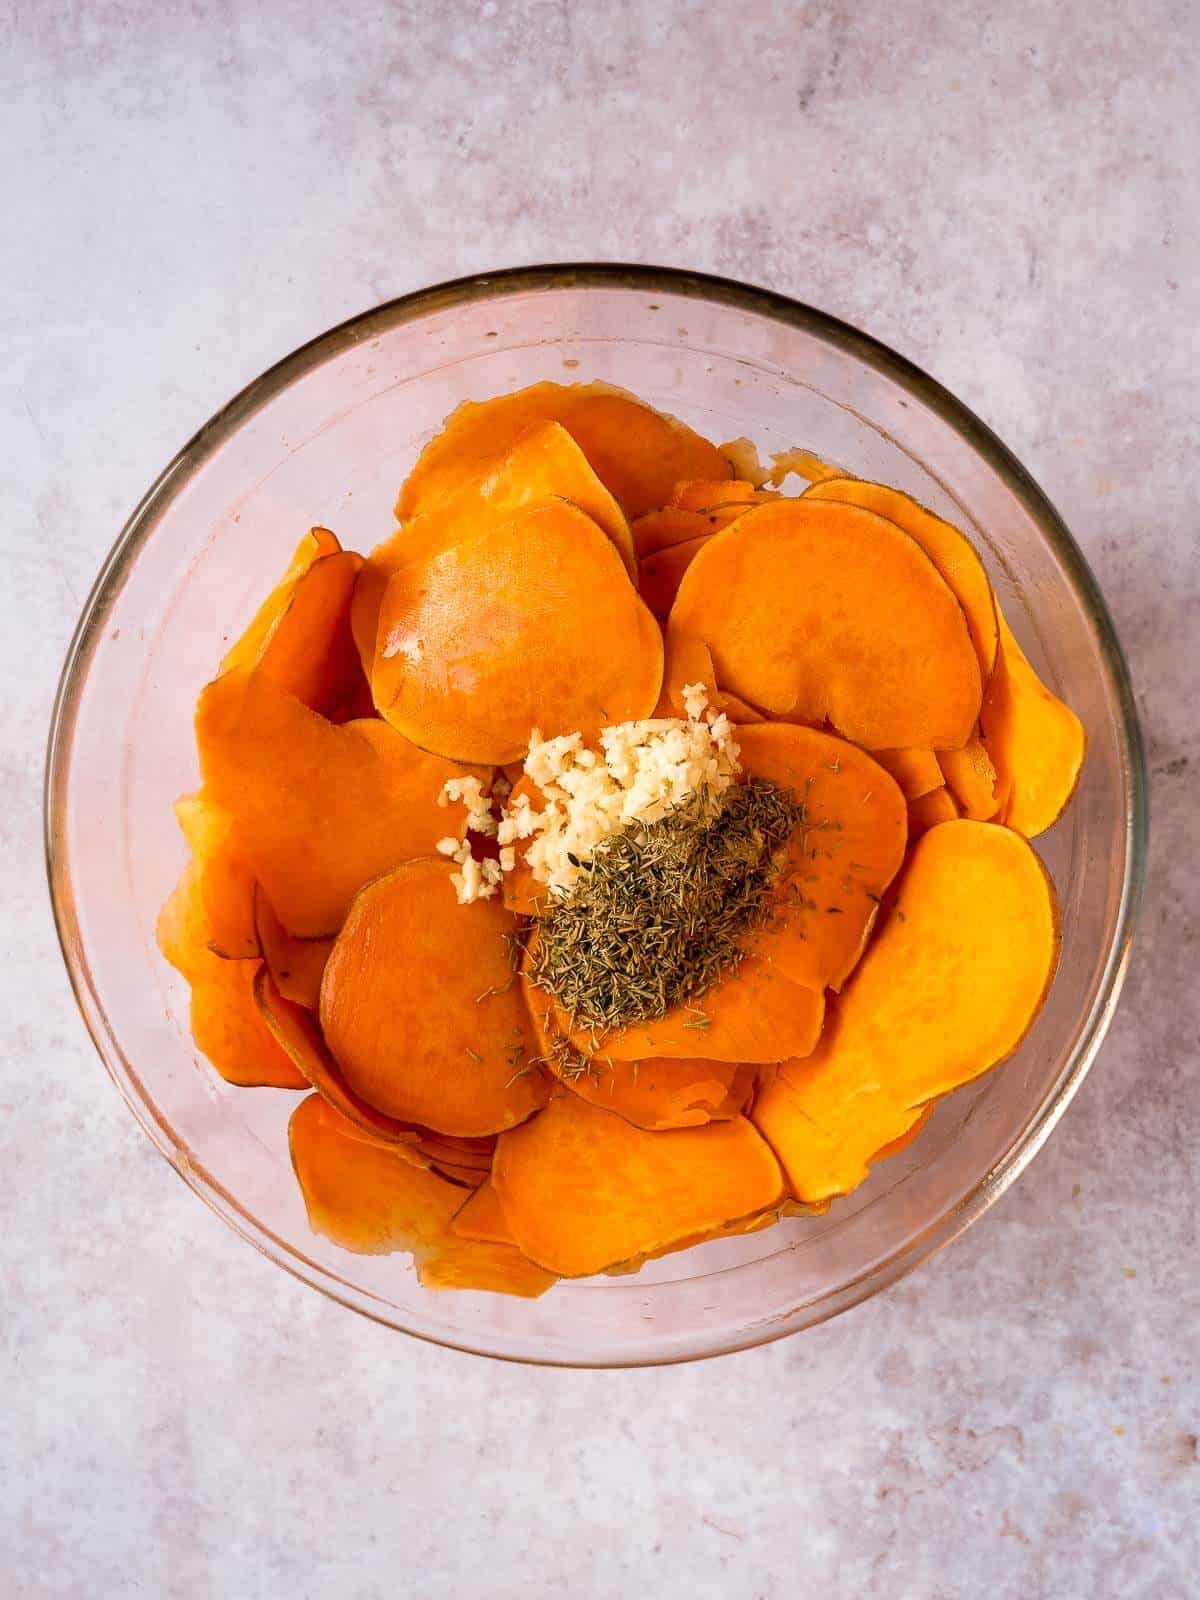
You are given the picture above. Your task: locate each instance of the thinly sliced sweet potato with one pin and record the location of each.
(660, 575)
(226, 882)
(754, 1015)
(840, 859)
(971, 779)
(547, 464)
(894, 1146)
(639, 454)
(660, 1093)
(583, 1189)
(458, 1159)
(318, 809)
(702, 494)
(310, 649)
(668, 526)
(951, 552)
(948, 988)
(532, 623)
(316, 544)
(674, 525)
(817, 610)
(482, 1217)
(296, 1032)
(228, 1029)
(655, 1093)
(295, 964)
(182, 928)
(916, 771)
(1037, 743)
(686, 661)
(370, 1200)
(928, 810)
(544, 464)
(420, 1009)
(225, 1022)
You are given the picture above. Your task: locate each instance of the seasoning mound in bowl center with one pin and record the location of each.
(660, 912)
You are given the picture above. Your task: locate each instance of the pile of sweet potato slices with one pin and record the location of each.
(566, 558)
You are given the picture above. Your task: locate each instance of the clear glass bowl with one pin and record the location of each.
(326, 437)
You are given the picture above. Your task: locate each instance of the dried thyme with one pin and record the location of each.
(665, 908)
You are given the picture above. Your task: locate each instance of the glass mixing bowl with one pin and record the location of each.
(326, 437)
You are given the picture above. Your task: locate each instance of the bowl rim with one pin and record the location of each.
(550, 277)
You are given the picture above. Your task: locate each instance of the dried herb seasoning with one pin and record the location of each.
(664, 910)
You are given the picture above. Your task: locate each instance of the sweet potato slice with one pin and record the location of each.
(971, 779)
(951, 552)
(532, 623)
(668, 526)
(674, 525)
(226, 882)
(816, 610)
(544, 464)
(686, 661)
(754, 1015)
(482, 1217)
(316, 544)
(660, 1093)
(927, 810)
(370, 1200)
(420, 1008)
(916, 771)
(702, 494)
(639, 454)
(894, 1146)
(318, 808)
(296, 1032)
(840, 859)
(226, 1025)
(228, 1029)
(948, 988)
(660, 575)
(655, 1093)
(310, 649)
(1036, 742)
(295, 964)
(583, 1189)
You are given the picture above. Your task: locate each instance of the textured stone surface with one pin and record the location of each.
(1008, 194)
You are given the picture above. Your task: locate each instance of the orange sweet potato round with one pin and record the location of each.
(316, 544)
(370, 1199)
(420, 1008)
(927, 810)
(318, 809)
(948, 988)
(660, 574)
(582, 1189)
(753, 1014)
(916, 771)
(295, 965)
(840, 859)
(816, 610)
(225, 880)
(638, 453)
(1036, 742)
(654, 1093)
(531, 623)
(951, 552)
(971, 779)
(225, 1021)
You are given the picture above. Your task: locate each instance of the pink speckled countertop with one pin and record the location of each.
(1008, 194)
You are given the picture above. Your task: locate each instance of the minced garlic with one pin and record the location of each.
(642, 771)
